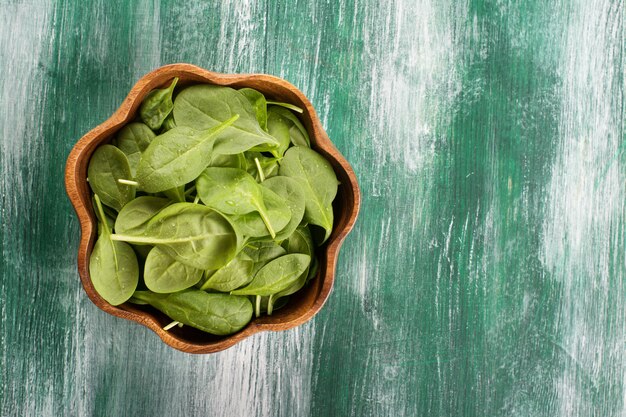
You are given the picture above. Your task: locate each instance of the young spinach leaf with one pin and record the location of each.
(277, 275)
(219, 314)
(318, 181)
(176, 157)
(257, 100)
(176, 194)
(251, 225)
(168, 124)
(237, 160)
(135, 215)
(133, 139)
(262, 252)
(113, 266)
(205, 106)
(107, 165)
(164, 274)
(232, 191)
(157, 106)
(297, 132)
(299, 242)
(292, 193)
(278, 126)
(237, 273)
(190, 233)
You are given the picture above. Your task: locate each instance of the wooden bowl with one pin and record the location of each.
(304, 304)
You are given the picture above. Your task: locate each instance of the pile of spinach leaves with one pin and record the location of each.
(210, 207)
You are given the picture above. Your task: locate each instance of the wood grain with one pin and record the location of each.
(484, 277)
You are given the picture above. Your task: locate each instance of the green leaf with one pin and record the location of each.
(232, 191)
(113, 266)
(190, 233)
(164, 274)
(259, 104)
(278, 126)
(106, 166)
(317, 179)
(237, 273)
(297, 132)
(177, 157)
(251, 225)
(157, 106)
(292, 193)
(277, 275)
(135, 215)
(219, 314)
(205, 106)
(133, 139)
(176, 194)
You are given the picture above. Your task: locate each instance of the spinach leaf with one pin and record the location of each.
(133, 139)
(237, 160)
(251, 225)
(176, 157)
(278, 126)
(113, 266)
(292, 193)
(107, 165)
(237, 273)
(157, 106)
(135, 215)
(205, 106)
(262, 252)
(232, 191)
(164, 274)
(168, 124)
(257, 100)
(318, 181)
(219, 314)
(190, 233)
(299, 242)
(297, 132)
(277, 275)
(176, 194)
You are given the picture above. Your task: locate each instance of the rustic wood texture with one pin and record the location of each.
(484, 277)
(308, 301)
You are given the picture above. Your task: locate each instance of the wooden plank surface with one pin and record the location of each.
(486, 273)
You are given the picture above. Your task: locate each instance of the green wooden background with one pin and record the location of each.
(485, 275)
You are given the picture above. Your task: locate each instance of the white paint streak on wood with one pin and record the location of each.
(585, 224)
(241, 41)
(24, 40)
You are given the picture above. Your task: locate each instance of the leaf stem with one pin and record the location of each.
(286, 105)
(258, 167)
(128, 182)
(105, 226)
(258, 306)
(190, 190)
(266, 220)
(196, 200)
(270, 305)
(153, 240)
(172, 324)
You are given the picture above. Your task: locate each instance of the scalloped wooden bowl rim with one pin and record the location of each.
(79, 195)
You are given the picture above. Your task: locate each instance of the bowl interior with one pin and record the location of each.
(302, 305)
